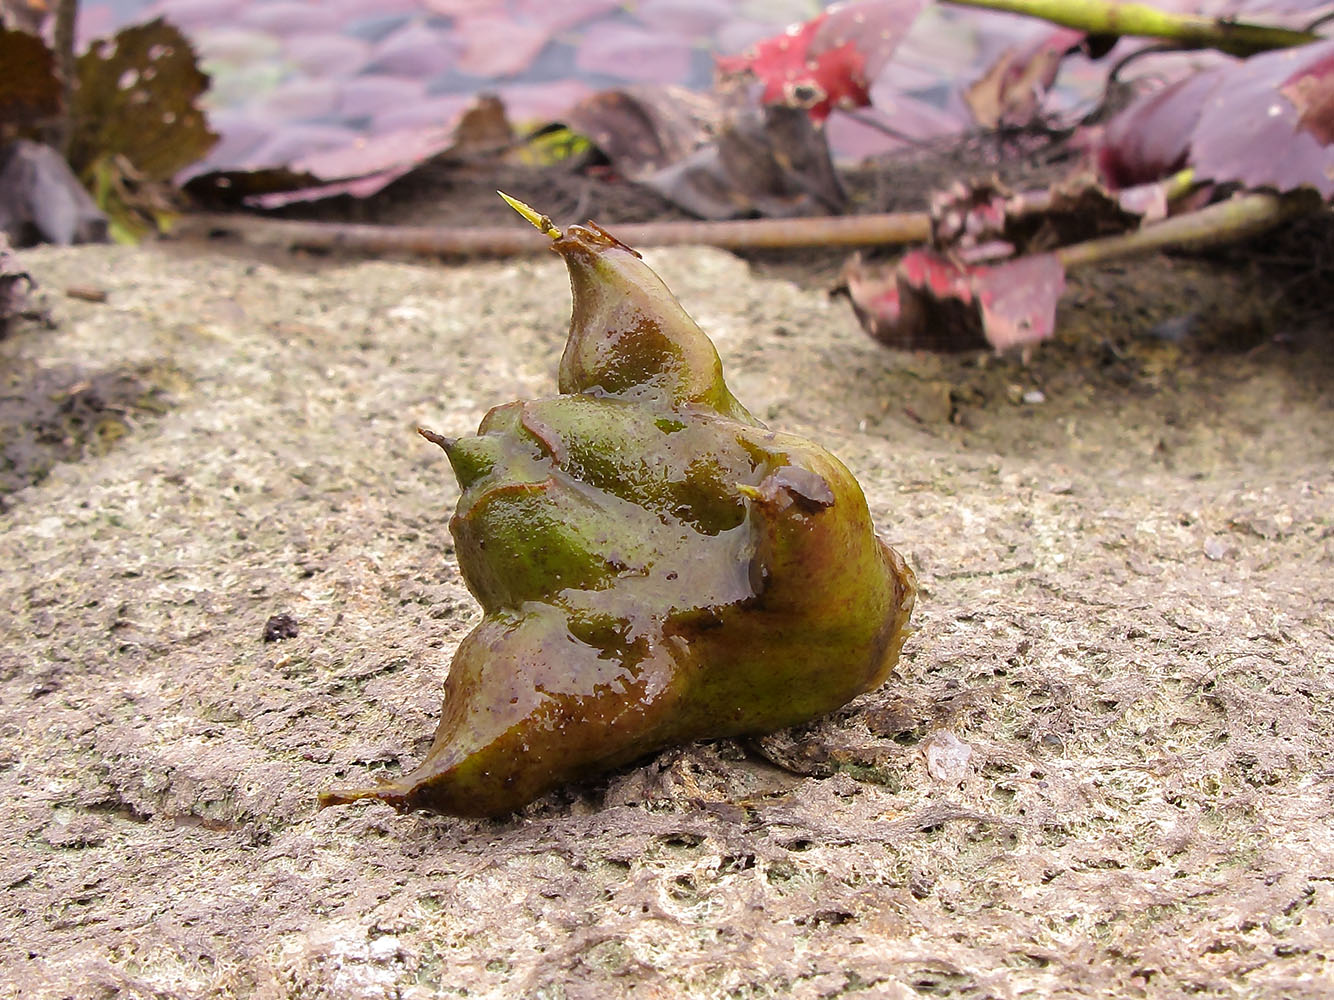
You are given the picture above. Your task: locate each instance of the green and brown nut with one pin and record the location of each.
(654, 564)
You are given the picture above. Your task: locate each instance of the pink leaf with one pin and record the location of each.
(359, 166)
(495, 45)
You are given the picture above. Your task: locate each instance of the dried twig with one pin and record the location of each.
(1233, 219)
(445, 241)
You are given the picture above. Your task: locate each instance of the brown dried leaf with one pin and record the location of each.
(644, 128)
(1077, 209)
(984, 220)
(1011, 91)
(771, 161)
(138, 96)
(29, 90)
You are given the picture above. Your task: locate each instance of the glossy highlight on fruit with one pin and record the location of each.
(654, 564)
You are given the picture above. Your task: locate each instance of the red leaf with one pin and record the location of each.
(829, 61)
(928, 301)
(1018, 299)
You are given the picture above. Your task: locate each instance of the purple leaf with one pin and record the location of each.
(300, 98)
(1311, 91)
(297, 19)
(323, 54)
(1251, 134)
(191, 14)
(541, 101)
(1262, 122)
(1151, 138)
(358, 165)
(291, 141)
(357, 187)
(565, 14)
(372, 155)
(367, 95)
(691, 17)
(415, 50)
(423, 114)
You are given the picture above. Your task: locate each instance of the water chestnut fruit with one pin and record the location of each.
(655, 565)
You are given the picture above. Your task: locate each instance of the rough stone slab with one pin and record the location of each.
(1126, 623)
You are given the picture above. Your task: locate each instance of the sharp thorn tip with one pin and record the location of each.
(438, 439)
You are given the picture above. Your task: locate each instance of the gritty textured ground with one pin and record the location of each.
(1105, 766)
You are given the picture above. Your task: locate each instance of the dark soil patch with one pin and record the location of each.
(63, 413)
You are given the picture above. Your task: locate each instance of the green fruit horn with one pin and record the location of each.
(654, 565)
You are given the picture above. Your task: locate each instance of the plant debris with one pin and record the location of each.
(279, 627)
(41, 200)
(15, 284)
(29, 87)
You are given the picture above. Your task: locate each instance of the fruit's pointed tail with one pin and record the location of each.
(391, 793)
(542, 223)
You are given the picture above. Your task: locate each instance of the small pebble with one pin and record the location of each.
(947, 757)
(282, 626)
